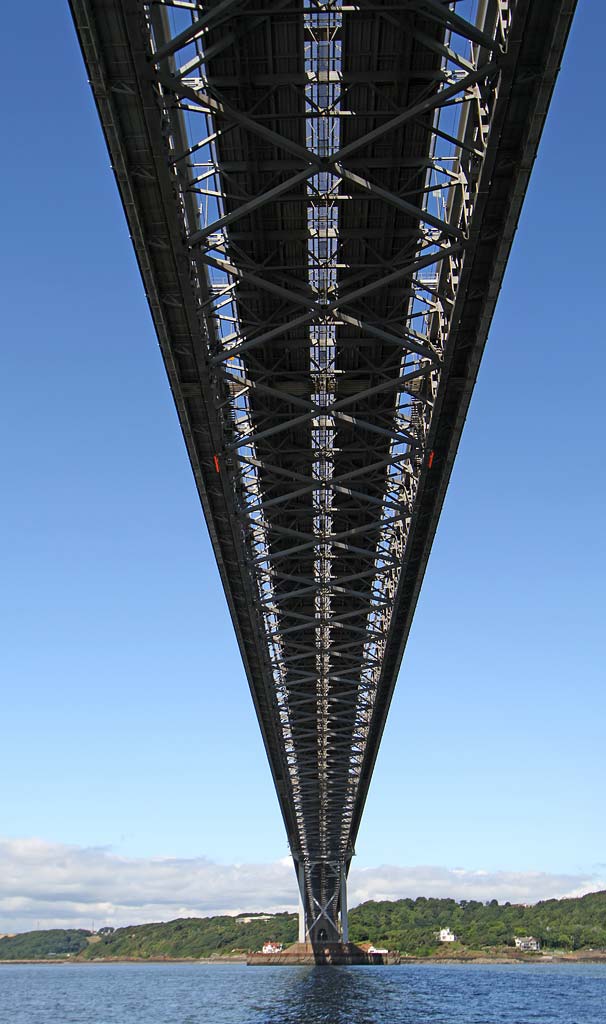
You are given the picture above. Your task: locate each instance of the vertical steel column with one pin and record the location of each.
(344, 921)
(302, 923)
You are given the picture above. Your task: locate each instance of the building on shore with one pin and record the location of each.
(527, 943)
(272, 947)
(446, 935)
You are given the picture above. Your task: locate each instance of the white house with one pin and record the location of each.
(272, 947)
(527, 942)
(445, 935)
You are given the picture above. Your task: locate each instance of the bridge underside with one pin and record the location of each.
(322, 198)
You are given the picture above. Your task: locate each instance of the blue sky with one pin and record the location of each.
(126, 720)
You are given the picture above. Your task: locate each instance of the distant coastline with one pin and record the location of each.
(420, 930)
(471, 957)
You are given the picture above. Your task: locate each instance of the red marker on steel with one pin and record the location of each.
(432, 456)
(216, 462)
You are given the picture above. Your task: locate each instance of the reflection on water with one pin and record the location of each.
(318, 995)
(236, 994)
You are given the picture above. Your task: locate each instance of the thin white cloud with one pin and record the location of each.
(389, 882)
(54, 885)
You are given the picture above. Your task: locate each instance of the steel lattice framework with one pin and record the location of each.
(322, 197)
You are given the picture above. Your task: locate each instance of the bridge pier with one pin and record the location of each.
(344, 920)
(302, 921)
(327, 922)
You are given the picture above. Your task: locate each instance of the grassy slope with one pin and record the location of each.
(43, 944)
(195, 937)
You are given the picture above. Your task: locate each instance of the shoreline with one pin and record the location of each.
(593, 957)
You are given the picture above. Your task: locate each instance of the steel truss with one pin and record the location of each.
(322, 197)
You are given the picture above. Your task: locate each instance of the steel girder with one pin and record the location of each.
(322, 198)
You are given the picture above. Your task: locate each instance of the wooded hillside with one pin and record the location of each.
(408, 926)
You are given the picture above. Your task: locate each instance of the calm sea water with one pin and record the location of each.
(236, 994)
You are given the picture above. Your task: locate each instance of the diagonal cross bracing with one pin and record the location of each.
(322, 197)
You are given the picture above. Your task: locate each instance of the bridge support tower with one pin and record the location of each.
(324, 922)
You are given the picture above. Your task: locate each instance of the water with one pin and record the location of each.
(236, 994)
